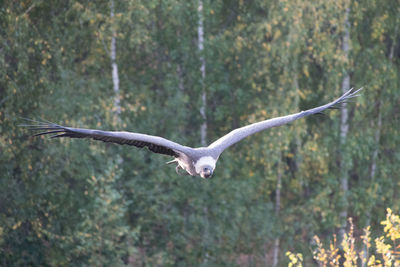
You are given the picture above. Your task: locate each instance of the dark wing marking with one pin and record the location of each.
(238, 134)
(153, 143)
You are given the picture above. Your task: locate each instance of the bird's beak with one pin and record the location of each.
(206, 174)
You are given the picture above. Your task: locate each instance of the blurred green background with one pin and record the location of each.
(87, 203)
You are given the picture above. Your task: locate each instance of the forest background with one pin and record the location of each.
(191, 71)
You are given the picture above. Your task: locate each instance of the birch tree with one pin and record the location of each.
(114, 66)
(378, 131)
(344, 129)
(203, 127)
(275, 255)
(200, 34)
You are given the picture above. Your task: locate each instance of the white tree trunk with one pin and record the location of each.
(203, 127)
(377, 139)
(115, 75)
(373, 170)
(275, 256)
(200, 34)
(297, 159)
(114, 66)
(344, 128)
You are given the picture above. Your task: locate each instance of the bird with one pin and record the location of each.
(199, 161)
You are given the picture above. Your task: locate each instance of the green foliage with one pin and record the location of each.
(80, 202)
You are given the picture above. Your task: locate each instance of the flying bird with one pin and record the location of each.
(200, 161)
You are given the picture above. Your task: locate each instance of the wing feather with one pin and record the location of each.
(238, 134)
(155, 144)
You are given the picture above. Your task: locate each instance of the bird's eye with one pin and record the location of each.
(205, 169)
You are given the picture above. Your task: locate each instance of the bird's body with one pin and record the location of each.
(195, 160)
(199, 161)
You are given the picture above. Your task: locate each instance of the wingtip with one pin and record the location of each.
(351, 93)
(355, 93)
(49, 132)
(359, 89)
(38, 123)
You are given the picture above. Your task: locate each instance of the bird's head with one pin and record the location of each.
(206, 171)
(205, 166)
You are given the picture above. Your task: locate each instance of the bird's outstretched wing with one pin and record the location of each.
(238, 134)
(153, 143)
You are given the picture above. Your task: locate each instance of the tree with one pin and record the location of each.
(344, 129)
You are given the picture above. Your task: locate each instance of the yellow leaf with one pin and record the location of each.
(305, 71)
(15, 226)
(277, 34)
(301, 94)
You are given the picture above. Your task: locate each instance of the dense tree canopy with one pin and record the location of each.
(80, 202)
